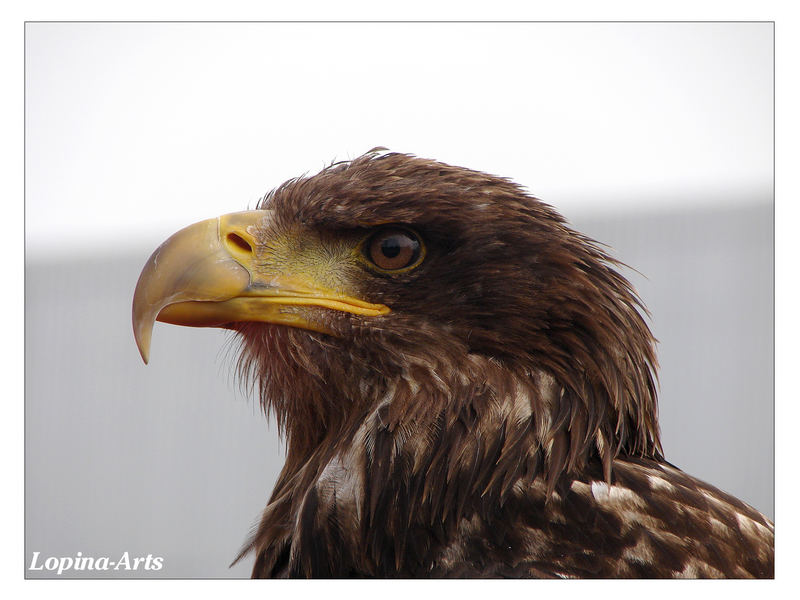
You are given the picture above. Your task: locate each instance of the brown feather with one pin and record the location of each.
(500, 421)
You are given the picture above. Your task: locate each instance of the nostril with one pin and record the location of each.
(240, 242)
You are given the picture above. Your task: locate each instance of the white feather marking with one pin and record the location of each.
(641, 552)
(695, 569)
(718, 527)
(659, 483)
(341, 482)
(522, 409)
(753, 529)
(454, 552)
(718, 501)
(617, 495)
(580, 488)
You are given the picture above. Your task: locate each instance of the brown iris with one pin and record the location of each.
(394, 249)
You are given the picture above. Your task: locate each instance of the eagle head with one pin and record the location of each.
(438, 329)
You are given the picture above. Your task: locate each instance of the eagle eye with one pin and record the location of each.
(394, 250)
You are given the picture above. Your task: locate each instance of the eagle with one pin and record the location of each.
(466, 386)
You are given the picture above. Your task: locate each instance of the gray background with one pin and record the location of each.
(173, 459)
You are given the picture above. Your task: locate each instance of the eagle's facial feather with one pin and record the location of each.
(502, 277)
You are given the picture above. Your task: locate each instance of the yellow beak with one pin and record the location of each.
(209, 275)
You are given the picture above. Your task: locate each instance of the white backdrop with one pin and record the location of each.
(134, 130)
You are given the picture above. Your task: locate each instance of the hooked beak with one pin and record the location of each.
(209, 275)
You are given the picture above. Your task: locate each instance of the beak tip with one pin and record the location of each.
(142, 332)
(144, 351)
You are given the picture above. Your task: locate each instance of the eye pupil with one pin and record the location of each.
(394, 249)
(391, 247)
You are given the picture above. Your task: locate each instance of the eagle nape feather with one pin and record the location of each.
(466, 386)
